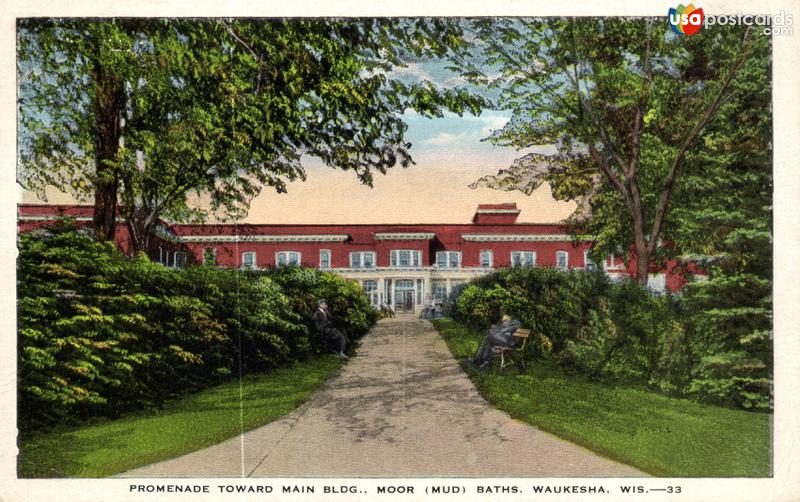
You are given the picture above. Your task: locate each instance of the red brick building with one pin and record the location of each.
(400, 264)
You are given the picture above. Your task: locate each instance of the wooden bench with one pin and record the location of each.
(515, 354)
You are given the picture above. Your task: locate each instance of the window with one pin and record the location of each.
(362, 259)
(439, 290)
(249, 260)
(610, 263)
(210, 256)
(587, 261)
(419, 291)
(448, 259)
(387, 286)
(523, 258)
(456, 287)
(324, 259)
(371, 290)
(562, 260)
(406, 258)
(283, 258)
(487, 258)
(180, 259)
(657, 283)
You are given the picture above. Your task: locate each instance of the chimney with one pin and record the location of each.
(496, 214)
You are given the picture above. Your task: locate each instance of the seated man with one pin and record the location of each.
(386, 311)
(323, 320)
(500, 334)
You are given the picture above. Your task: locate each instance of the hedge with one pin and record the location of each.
(619, 332)
(101, 334)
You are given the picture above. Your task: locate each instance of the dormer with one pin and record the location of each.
(496, 214)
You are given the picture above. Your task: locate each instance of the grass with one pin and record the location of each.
(184, 425)
(660, 435)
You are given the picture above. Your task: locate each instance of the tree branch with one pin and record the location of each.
(612, 177)
(636, 139)
(588, 104)
(705, 118)
(244, 44)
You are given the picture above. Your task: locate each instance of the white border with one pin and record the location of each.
(785, 486)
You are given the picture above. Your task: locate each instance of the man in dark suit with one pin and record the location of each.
(323, 320)
(500, 334)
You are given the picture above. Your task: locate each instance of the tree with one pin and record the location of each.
(624, 101)
(217, 107)
(724, 215)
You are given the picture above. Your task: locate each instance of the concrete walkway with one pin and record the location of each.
(401, 408)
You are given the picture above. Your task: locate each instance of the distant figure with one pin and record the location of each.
(427, 311)
(323, 320)
(386, 310)
(500, 334)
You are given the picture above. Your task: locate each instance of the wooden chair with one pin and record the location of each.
(515, 354)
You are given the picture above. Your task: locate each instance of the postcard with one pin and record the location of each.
(397, 251)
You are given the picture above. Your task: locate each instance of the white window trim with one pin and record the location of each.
(287, 251)
(435, 285)
(566, 260)
(447, 260)
(214, 250)
(255, 260)
(533, 263)
(587, 259)
(416, 256)
(657, 282)
(361, 259)
(491, 258)
(175, 259)
(330, 258)
(609, 263)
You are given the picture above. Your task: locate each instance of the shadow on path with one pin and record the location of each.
(401, 408)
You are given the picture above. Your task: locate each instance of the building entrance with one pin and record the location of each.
(404, 297)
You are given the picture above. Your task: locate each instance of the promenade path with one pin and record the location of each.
(402, 407)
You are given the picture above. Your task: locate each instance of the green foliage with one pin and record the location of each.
(546, 300)
(218, 107)
(353, 314)
(619, 332)
(101, 334)
(725, 215)
(628, 106)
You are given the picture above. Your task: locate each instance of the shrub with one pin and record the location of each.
(730, 328)
(703, 344)
(674, 363)
(352, 311)
(102, 334)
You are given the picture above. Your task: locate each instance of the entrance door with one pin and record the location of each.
(404, 297)
(408, 301)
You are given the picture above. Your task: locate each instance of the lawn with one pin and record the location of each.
(183, 426)
(660, 435)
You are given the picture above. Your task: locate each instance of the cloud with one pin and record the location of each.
(414, 71)
(453, 130)
(446, 138)
(493, 122)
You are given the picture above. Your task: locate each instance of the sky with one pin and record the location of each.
(449, 155)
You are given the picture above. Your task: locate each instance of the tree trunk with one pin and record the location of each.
(639, 233)
(642, 264)
(108, 103)
(142, 224)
